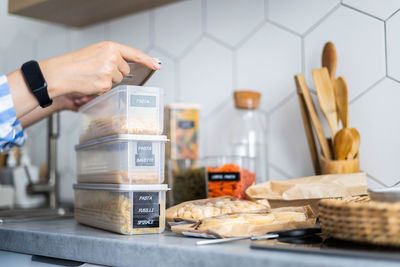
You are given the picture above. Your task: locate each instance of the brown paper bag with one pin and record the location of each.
(171, 214)
(247, 229)
(308, 190)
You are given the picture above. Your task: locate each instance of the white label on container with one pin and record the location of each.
(143, 101)
(144, 154)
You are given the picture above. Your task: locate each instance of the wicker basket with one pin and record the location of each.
(362, 220)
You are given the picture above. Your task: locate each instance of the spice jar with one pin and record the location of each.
(248, 134)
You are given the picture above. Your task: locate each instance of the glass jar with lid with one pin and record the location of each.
(248, 133)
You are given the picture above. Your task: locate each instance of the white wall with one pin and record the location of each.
(209, 48)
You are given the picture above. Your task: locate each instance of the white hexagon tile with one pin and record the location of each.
(287, 143)
(361, 52)
(206, 75)
(267, 63)
(393, 44)
(164, 78)
(176, 26)
(379, 9)
(80, 38)
(19, 50)
(237, 20)
(275, 174)
(55, 42)
(299, 16)
(374, 115)
(131, 30)
(218, 125)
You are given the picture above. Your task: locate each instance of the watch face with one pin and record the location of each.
(33, 75)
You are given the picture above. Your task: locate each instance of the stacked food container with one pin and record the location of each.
(120, 161)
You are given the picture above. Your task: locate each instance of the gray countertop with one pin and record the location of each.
(64, 238)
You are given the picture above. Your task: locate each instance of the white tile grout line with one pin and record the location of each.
(204, 16)
(360, 11)
(393, 79)
(376, 180)
(366, 90)
(234, 70)
(303, 55)
(386, 50)
(279, 170)
(248, 36)
(283, 27)
(218, 41)
(177, 89)
(266, 9)
(286, 99)
(152, 30)
(319, 22)
(191, 46)
(223, 103)
(392, 14)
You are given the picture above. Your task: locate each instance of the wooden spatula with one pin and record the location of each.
(342, 104)
(329, 59)
(302, 89)
(343, 143)
(326, 98)
(308, 129)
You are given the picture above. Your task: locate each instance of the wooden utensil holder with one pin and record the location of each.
(340, 166)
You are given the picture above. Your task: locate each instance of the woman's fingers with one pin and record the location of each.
(117, 76)
(135, 55)
(123, 66)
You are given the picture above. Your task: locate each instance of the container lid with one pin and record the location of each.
(247, 99)
(123, 187)
(123, 137)
(120, 88)
(138, 75)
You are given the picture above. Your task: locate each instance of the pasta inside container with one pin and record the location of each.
(126, 109)
(124, 209)
(122, 159)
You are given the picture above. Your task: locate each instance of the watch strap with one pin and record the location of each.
(37, 84)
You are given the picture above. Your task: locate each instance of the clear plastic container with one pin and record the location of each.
(125, 209)
(229, 176)
(122, 159)
(126, 109)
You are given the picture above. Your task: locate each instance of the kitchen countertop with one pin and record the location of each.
(64, 238)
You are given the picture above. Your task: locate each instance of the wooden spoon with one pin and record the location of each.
(326, 98)
(342, 104)
(356, 144)
(343, 143)
(303, 90)
(329, 59)
(305, 114)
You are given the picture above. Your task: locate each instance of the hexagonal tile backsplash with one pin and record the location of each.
(211, 47)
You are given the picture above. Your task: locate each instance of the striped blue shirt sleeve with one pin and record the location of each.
(11, 132)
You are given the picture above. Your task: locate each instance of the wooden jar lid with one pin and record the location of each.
(247, 99)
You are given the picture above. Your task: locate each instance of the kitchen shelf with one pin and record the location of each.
(78, 13)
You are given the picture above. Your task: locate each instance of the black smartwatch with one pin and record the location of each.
(36, 82)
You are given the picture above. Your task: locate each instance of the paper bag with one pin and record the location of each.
(308, 190)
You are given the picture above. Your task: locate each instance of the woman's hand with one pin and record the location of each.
(91, 70)
(85, 72)
(70, 102)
